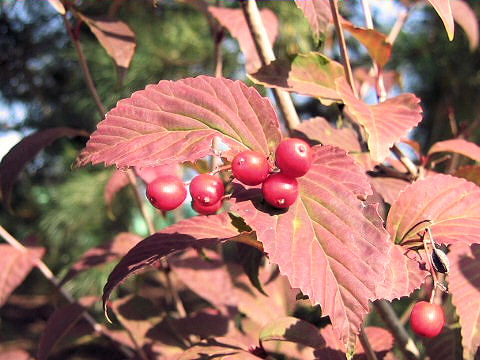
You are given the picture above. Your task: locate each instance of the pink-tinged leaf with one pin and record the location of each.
(16, 265)
(311, 74)
(23, 152)
(148, 174)
(334, 349)
(220, 348)
(318, 129)
(324, 243)
(385, 123)
(15, 354)
(59, 323)
(318, 14)
(176, 121)
(388, 187)
(466, 18)
(58, 6)
(376, 43)
(115, 36)
(446, 346)
(450, 203)
(104, 254)
(459, 146)
(293, 330)
(195, 232)
(464, 286)
(404, 274)
(443, 9)
(234, 21)
(471, 173)
(117, 182)
(380, 339)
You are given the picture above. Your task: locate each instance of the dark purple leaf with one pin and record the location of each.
(22, 153)
(446, 346)
(176, 121)
(450, 203)
(324, 243)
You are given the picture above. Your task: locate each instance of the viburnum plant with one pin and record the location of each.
(316, 215)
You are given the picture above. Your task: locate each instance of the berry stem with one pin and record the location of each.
(220, 169)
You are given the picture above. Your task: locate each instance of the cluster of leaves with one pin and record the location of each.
(339, 243)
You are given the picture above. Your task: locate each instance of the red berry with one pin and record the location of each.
(166, 192)
(427, 319)
(206, 209)
(250, 167)
(207, 189)
(293, 157)
(280, 190)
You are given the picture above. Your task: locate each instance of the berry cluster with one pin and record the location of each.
(280, 189)
(293, 157)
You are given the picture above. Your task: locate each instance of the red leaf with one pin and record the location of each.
(324, 243)
(104, 254)
(23, 152)
(452, 204)
(115, 36)
(385, 123)
(318, 14)
(388, 187)
(17, 354)
(59, 323)
(194, 232)
(117, 181)
(234, 21)
(221, 348)
(376, 43)
(148, 174)
(459, 146)
(466, 18)
(319, 129)
(380, 339)
(471, 173)
(442, 7)
(311, 74)
(446, 346)
(464, 286)
(176, 121)
(16, 265)
(403, 274)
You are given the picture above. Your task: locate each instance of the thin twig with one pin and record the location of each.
(405, 342)
(409, 165)
(397, 27)
(343, 46)
(47, 273)
(265, 52)
(367, 347)
(83, 63)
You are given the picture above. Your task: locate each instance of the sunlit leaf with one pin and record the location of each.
(58, 6)
(464, 15)
(388, 187)
(195, 232)
(450, 203)
(443, 9)
(459, 146)
(148, 174)
(17, 354)
(471, 173)
(115, 36)
(176, 121)
(103, 254)
(319, 129)
(16, 265)
(25, 151)
(385, 123)
(464, 285)
(59, 323)
(324, 243)
(311, 74)
(234, 20)
(318, 14)
(376, 43)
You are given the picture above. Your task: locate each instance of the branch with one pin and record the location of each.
(265, 52)
(367, 347)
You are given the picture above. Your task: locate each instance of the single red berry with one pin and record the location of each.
(166, 192)
(250, 167)
(293, 157)
(427, 319)
(280, 190)
(207, 189)
(206, 209)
